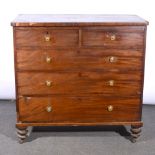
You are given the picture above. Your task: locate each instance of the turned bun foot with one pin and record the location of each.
(135, 133)
(22, 134)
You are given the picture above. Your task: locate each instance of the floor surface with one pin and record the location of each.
(75, 140)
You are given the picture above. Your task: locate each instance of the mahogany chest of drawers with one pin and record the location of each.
(79, 70)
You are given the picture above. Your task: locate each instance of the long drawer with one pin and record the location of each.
(115, 83)
(78, 109)
(82, 59)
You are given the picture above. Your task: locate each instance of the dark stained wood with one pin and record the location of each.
(86, 52)
(78, 109)
(21, 133)
(126, 37)
(15, 68)
(143, 66)
(77, 20)
(76, 60)
(135, 132)
(36, 37)
(78, 83)
(78, 124)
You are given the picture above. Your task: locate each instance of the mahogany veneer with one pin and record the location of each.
(79, 70)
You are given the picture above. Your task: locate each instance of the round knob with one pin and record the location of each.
(48, 108)
(110, 108)
(48, 59)
(111, 82)
(113, 37)
(112, 59)
(47, 38)
(48, 83)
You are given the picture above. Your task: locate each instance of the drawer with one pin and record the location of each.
(116, 83)
(60, 60)
(66, 109)
(114, 37)
(44, 37)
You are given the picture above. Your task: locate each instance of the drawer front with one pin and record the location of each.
(114, 37)
(40, 37)
(60, 60)
(78, 109)
(79, 83)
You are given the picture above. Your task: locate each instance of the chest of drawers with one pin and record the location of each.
(79, 70)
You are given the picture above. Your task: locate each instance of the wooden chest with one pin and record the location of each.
(79, 70)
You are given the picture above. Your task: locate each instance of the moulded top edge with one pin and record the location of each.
(77, 20)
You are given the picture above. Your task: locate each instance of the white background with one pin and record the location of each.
(10, 8)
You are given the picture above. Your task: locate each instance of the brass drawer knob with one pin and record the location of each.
(111, 82)
(48, 83)
(48, 108)
(113, 37)
(48, 59)
(47, 38)
(110, 108)
(112, 59)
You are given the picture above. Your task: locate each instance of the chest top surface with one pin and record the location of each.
(77, 20)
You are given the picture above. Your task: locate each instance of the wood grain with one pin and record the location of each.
(77, 83)
(80, 48)
(125, 38)
(78, 109)
(35, 37)
(80, 59)
(22, 124)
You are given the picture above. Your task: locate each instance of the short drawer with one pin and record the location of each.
(84, 59)
(114, 37)
(119, 83)
(44, 37)
(66, 109)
